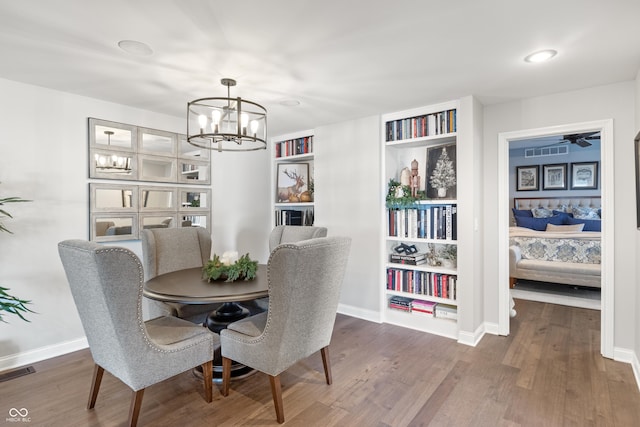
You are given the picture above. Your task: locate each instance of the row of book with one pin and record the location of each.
(294, 147)
(427, 222)
(429, 308)
(417, 127)
(429, 283)
(294, 217)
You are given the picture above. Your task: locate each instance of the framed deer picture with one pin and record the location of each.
(293, 179)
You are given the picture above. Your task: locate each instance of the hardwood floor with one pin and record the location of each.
(548, 372)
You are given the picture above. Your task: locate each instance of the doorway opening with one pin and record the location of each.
(605, 127)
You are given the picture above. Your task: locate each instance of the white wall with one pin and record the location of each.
(605, 102)
(43, 157)
(637, 240)
(348, 202)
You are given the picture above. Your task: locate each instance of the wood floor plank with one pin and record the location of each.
(548, 372)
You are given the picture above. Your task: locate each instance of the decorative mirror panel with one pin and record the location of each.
(193, 199)
(188, 151)
(196, 220)
(114, 198)
(126, 152)
(112, 226)
(192, 172)
(106, 135)
(155, 168)
(118, 212)
(157, 199)
(157, 142)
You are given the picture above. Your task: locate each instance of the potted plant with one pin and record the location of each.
(9, 303)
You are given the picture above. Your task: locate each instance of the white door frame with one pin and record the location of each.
(605, 127)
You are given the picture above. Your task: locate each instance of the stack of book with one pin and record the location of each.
(410, 259)
(400, 303)
(446, 311)
(425, 307)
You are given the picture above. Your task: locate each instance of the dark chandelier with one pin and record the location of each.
(227, 124)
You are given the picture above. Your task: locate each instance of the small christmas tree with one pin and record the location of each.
(444, 176)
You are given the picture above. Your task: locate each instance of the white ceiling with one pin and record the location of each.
(341, 59)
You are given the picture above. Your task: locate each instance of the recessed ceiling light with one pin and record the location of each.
(290, 102)
(541, 56)
(135, 47)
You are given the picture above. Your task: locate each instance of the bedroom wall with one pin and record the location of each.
(587, 154)
(604, 102)
(43, 157)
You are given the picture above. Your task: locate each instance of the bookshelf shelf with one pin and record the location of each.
(292, 151)
(420, 142)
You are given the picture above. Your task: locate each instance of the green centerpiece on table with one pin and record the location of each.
(229, 269)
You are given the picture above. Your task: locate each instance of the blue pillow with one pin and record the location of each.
(522, 212)
(564, 216)
(589, 224)
(539, 224)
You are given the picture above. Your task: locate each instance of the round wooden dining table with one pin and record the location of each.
(189, 287)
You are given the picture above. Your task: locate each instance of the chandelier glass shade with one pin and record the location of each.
(227, 124)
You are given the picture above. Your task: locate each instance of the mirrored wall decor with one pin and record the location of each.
(193, 172)
(156, 168)
(106, 227)
(158, 199)
(157, 142)
(114, 198)
(188, 151)
(119, 211)
(126, 152)
(196, 220)
(194, 199)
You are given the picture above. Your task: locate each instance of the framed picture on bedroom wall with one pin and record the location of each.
(527, 178)
(554, 177)
(584, 176)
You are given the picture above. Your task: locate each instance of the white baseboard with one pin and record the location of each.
(370, 315)
(17, 360)
(472, 338)
(635, 365)
(630, 357)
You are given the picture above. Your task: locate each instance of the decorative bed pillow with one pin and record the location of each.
(565, 228)
(564, 215)
(589, 224)
(542, 212)
(539, 224)
(585, 213)
(522, 212)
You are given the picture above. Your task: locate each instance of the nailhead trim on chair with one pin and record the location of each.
(150, 343)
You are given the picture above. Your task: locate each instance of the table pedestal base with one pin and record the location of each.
(218, 320)
(228, 313)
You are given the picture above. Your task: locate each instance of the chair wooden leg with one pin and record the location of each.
(134, 409)
(98, 371)
(226, 375)
(327, 365)
(276, 391)
(512, 282)
(207, 377)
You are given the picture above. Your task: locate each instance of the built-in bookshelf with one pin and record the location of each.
(293, 183)
(421, 288)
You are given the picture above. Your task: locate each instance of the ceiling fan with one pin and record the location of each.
(582, 139)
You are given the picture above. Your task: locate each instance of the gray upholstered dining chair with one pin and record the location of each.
(106, 284)
(286, 234)
(165, 250)
(294, 233)
(305, 279)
